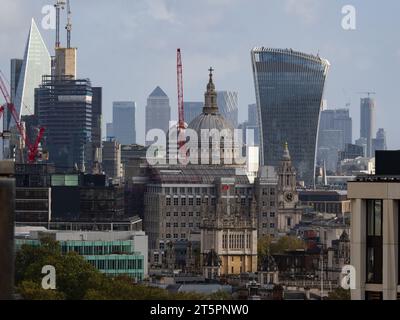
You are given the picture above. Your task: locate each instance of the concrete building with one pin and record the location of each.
(367, 122)
(375, 236)
(326, 201)
(111, 163)
(114, 253)
(289, 87)
(158, 111)
(124, 127)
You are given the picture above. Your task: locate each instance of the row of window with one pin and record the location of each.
(182, 225)
(236, 241)
(117, 264)
(190, 201)
(183, 214)
(271, 225)
(175, 236)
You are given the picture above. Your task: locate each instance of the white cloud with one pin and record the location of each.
(306, 10)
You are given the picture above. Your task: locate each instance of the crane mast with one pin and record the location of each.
(68, 27)
(59, 6)
(181, 119)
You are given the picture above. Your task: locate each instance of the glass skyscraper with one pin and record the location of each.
(36, 63)
(289, 87)
(367, 122)
(227, 102)
(124, 122)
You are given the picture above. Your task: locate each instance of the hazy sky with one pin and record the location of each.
(129, 47)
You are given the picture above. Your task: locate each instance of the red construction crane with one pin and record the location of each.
(32, 149)
(181, 120)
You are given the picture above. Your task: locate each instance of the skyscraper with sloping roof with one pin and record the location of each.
(289, 87)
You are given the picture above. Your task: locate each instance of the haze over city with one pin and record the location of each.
(129, 48)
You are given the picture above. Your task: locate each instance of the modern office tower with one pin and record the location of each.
(252, 123)
(367, 124)
(109, 130)
(36, 63)
(97, 108)
(112, 159)
(158, 111)
(335, 131)
(64, 108)
(65, 62)
(192, 110)
(227, 102)
(289, 87)
(124, 122)
(351, 151)
(362, 142)
(379, 143)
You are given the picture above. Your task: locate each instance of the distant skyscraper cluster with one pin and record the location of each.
(123, 125)
(289, 86)
(158, 111)
(335, 132)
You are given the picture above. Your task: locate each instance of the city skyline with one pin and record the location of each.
(229, 54)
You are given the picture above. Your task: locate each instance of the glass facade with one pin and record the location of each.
(289, 87)
(64, 108)
(227, 102)
(36, 63)
(124, 122)
(374, 241)
(113, 258)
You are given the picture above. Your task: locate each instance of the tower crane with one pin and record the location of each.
(60, 4)
(369, 93)
(33, 149)
(181, 119)
(68, 27)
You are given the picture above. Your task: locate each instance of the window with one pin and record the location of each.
(175, 236)
(265, 214)
(183, 225)
(190, 224)
(174, 190)
(272, 214)
(264, 225)
(190, 190)
(197, 214)
(168, 214)
(176, 224)
(168, 235)
(190, 201)
(168, 224)
(183, 235)
(272, 191)
(272, 204)
(198, 201)
(183, 214)
(183, 201)
(243, 201)
(272, 225)
(190, 214)
(175, 214)
(182, 190)
(374, 241)
(176, 201)
(213, 201)
(289, 222)
(168, 201)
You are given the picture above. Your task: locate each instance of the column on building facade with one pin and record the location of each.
(390, 249)
(358, 242)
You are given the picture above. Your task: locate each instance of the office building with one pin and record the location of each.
(375, 231)
(192, 109)
(379, 143)
(36, 63)
(251, 129)
(158, 111)
(64, 108)
(227, 102)
(367, 122)
(124, 128)
(289, 87)
(109, 130)
(97, 117)
(351, 151)
(115, 253)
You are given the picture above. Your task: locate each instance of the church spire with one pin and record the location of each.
(210, 97)
(286, 154)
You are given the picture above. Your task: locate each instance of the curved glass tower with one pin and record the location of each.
(289, 87)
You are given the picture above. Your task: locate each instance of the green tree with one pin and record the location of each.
(31, 290)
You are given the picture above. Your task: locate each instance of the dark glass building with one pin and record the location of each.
(64, 109)
(289, 86)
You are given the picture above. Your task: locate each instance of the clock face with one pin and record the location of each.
(289, 197)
